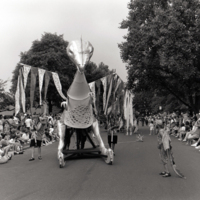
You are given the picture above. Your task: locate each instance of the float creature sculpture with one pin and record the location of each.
(78, 112)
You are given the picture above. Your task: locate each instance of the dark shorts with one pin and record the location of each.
(112, 140)
(35, 144)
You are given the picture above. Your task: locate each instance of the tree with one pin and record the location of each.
(162, 48)
(6, 99)
(94, 72)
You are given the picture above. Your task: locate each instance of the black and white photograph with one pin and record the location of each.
(100, 99)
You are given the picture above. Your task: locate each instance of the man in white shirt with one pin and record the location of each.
(28, 122)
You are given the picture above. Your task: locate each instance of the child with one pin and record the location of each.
(164, 144)
(151, 126)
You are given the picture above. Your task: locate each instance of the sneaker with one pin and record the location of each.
(180, 139)
(40, 157)
(31, 159)
(198, 147)
(15, 153)
(166, 175)
(162, 173)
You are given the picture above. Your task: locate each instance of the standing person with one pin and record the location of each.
(146, 120)
(151, 126)
(164, 144)
(36, 138)
(28, 122)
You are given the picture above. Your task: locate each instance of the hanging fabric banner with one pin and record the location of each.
(41, 73)
(109, 110)
(131, 108)
(98, 85)
(127, 110)
(125, 105)
(17, 98)
(108, 97)
(58, 85)
(92, 87)
(104, 82)
(22, 92)
(26, 70)
(34, 72)
(118, 83)
(47, 79)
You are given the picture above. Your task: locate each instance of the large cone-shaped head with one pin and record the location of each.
(79, 88)
(80, 53)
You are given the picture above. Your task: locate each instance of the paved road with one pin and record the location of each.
(134, 174)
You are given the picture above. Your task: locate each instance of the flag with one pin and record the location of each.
(104, 82)
(26, 70)
(47, 79)
(108, 97)
(22, 92)
(58, 85)
(41, 73)
(34, 72)
(17, 97)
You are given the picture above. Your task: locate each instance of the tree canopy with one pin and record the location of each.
(162, 48)
(6, 99)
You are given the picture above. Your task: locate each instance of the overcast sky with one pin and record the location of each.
(97, 21)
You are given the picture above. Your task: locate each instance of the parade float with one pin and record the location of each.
(81, 105)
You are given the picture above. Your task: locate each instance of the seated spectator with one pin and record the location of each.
(181, 132)
(6, 127)
(45, 141)
(4, 147)
(175, 129)
(23, 138)
(5, 155)
(194, 133)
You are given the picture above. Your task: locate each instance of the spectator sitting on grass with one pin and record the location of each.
(45, 141)
(4, 147)
(175, 129)
(195, 134)
(5, 155)
(181, 132)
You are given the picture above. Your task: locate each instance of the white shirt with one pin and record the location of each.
(28, 122)
(25, 136)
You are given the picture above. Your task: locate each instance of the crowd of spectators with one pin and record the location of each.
(184, 127)
(16, 133)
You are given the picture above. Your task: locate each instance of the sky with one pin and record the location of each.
(96, 21)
